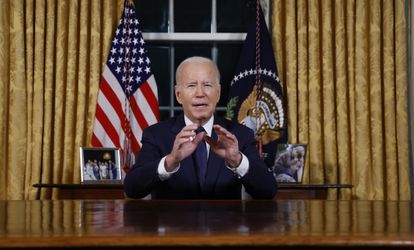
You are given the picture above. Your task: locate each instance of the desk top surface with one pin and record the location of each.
(106, 185)
(119, 223)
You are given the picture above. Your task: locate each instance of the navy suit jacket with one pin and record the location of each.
(221, 182)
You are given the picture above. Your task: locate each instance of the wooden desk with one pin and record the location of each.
(200, 224)
(115, 191)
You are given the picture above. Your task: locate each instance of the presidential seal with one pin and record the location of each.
(263, 113)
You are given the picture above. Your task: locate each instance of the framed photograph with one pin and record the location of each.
(100, 165)
(289, 162)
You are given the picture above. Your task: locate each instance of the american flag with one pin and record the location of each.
(128, 98)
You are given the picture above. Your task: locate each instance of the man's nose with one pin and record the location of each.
(200, 90)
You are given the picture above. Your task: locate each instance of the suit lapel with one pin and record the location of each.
(178, 124)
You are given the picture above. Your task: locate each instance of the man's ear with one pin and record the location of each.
(177, 94)
(219, 94)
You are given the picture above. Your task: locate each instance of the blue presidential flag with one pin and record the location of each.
(255, 97)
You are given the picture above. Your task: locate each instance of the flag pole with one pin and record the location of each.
(258, 83)
(127, 158)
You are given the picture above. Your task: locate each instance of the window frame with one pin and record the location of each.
(213, 38)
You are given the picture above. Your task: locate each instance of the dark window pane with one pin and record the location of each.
(159, 55)
(183, 51)
(152, 15)
(192, 16)
(227, 60)
(178, 112)
(221, 113)
(164, 115)
(235, 15)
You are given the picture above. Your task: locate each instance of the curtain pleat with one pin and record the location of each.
(16, 131)
(401, 150)
(5, 17)
(342, 100)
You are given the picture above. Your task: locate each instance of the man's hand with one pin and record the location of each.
(226, 146)
(184, 145)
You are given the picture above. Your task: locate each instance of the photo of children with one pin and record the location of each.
(100, 164)
(289, 163)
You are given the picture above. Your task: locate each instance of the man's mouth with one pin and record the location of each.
(197, 105)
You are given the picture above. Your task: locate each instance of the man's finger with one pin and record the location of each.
(222, 131)
(209, 140)
(199, 137)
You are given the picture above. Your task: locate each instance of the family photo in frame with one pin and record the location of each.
(289, 162)
(100, 165)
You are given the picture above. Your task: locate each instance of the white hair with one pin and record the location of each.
(198, 60)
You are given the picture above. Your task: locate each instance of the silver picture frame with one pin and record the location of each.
(289, 162)
(100, 165)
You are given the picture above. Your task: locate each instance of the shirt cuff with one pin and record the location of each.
(162, 172)
(242, 169)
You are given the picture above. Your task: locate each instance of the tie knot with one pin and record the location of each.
(200, 129)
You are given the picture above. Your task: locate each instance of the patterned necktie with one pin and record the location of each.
(201, 157)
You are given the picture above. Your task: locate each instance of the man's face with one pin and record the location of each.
(198, 91)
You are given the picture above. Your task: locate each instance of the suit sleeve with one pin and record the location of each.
(143, 176)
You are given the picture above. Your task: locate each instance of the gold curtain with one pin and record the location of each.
(343, 65)
(51, 56)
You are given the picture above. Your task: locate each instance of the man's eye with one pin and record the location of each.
(191, 85)
(207, 84)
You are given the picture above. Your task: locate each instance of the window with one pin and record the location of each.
(174, 30)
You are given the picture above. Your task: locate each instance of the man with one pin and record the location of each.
(167, 167)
